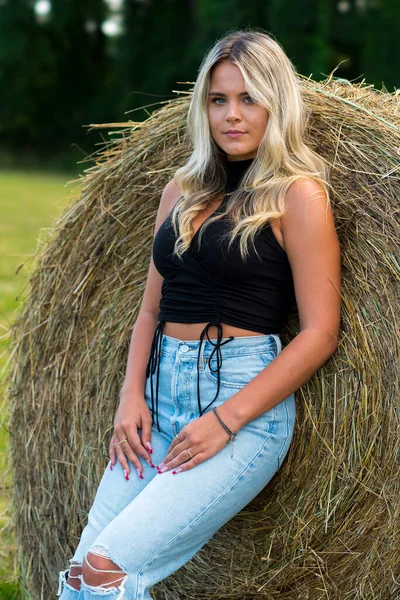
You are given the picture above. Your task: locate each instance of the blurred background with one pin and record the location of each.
(66, 64)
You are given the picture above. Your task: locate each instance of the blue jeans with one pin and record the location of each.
(151, 527)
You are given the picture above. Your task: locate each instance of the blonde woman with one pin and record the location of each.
(244, 233)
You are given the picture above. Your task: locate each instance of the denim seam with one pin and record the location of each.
(284, 445)
(223, 493)
(174, 389)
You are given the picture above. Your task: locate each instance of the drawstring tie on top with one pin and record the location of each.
(217, 349)
(154, 363)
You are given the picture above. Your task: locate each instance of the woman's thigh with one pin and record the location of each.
(115, 493)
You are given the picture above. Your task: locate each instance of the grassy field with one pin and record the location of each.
(29, 202)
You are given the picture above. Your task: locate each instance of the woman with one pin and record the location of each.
(243, 230)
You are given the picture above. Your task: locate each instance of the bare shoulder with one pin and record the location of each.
(304, 195)
(307, 209)
(171, 194)
(169, 197)
(297, 199)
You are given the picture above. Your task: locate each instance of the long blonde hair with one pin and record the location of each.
(282, 156)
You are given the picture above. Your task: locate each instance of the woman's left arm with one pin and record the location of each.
(313, 250)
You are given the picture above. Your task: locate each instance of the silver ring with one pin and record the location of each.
(178, 436)
(190, 454)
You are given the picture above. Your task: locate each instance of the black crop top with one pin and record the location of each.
(214, 285)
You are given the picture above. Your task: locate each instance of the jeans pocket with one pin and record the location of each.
(237, 370)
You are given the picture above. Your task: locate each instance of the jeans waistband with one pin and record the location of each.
(204, 346)
(236, 346)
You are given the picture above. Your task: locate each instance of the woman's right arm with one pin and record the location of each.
(133, 412)
(143, 330)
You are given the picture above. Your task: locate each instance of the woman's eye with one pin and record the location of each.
(215, 100)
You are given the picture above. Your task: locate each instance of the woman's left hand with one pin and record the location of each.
(204, 437)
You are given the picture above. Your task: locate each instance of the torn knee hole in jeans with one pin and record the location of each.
(101, 551)
(71, 566)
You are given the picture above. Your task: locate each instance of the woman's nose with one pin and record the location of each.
(234, 112)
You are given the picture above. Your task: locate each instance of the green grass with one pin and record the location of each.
(29, 202)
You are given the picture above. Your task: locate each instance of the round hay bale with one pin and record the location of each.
(327, 525)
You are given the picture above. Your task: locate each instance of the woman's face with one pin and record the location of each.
(231, 107)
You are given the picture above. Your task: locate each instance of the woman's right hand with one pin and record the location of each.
(132, 414)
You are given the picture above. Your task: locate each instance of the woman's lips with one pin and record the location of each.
(235, 135)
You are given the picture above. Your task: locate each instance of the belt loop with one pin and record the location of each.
(277, 342)
(201, 355)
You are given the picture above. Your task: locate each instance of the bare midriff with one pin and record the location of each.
(191, 331)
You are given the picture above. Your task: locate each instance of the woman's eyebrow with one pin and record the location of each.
(222, 94)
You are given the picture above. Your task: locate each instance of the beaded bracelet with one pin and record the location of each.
(228, 431)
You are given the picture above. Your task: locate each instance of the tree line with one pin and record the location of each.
(58, 76)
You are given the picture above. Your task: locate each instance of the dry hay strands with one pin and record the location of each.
(327, 524)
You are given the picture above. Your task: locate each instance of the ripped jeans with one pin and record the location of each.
(150, 527)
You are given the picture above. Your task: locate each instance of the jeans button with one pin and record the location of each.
(185, 348)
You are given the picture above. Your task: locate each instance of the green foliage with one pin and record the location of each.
(32, 201)
(10, 591)
(58, 77)
(52, 75)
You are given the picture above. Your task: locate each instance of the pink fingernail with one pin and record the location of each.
(139, 473)
(111, 466)
(150, 449)
(178, 470)
(126, 474)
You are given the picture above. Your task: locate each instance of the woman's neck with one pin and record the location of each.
(235, 169)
